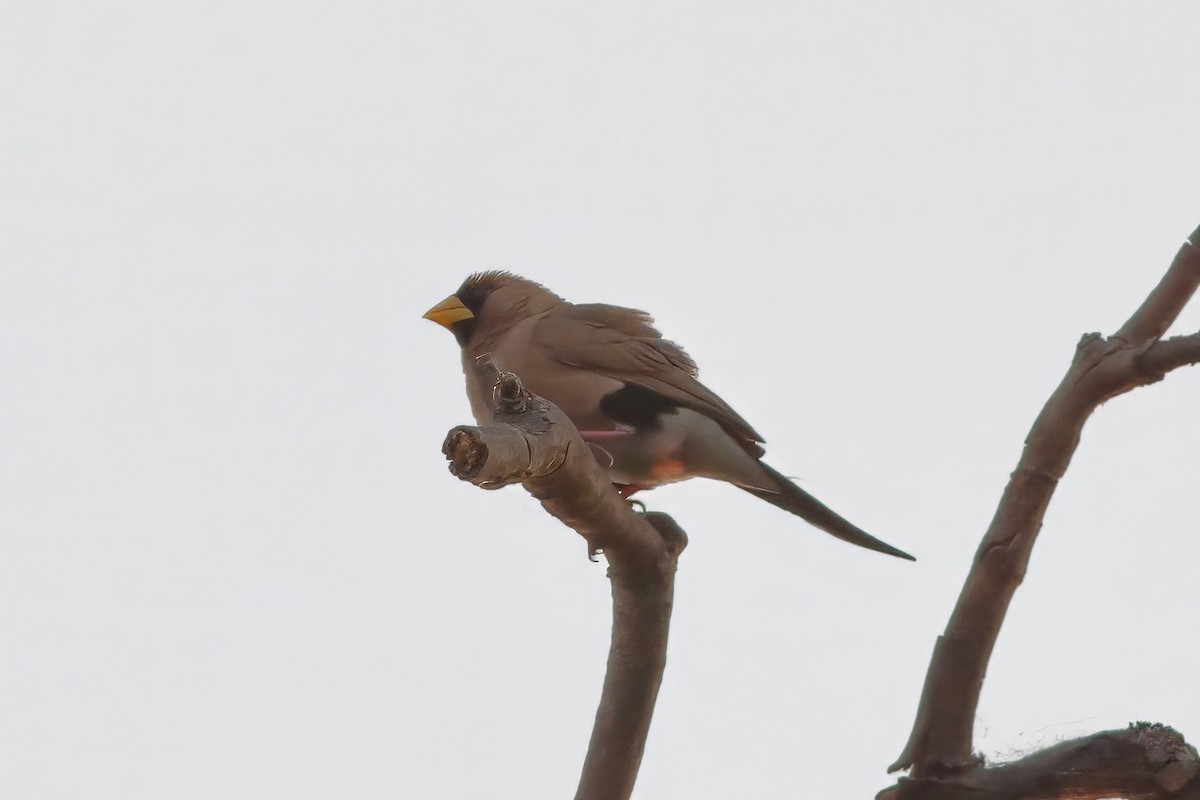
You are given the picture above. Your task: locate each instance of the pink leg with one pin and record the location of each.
(603, 436)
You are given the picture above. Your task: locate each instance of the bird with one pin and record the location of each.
(631, 393)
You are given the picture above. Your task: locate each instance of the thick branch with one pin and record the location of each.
(636, 659)
(533, 443)
(941, 740)
(1150, 761)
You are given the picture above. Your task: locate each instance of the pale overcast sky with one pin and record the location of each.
(232, 563)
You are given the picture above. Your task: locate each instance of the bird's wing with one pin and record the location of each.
(623, 344)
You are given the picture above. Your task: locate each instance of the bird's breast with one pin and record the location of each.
(577, 391)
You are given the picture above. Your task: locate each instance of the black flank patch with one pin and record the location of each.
(637, 406)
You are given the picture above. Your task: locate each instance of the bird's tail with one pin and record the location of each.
(791, 497)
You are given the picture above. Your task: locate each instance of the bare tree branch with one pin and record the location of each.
(1140, 761)
(1168, 354)
(636, 659)
(1164, 303)
(941, 740)
(533, 443)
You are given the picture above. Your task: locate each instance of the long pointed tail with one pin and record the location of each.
(791, 497)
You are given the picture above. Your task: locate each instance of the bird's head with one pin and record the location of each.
(491, 300)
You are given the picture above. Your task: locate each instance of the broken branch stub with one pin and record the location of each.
(531, 442)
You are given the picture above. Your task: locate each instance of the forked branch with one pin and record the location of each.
(939, 750)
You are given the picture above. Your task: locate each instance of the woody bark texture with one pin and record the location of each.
(531, 442)
(1142, 761)
(940, 746)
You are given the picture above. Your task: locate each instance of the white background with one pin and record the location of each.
(232, 564)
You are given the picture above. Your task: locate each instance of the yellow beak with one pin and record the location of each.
(448, 312)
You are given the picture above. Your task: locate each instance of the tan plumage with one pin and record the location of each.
(628, 390)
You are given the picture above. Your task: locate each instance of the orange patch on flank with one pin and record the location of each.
(669, 469)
